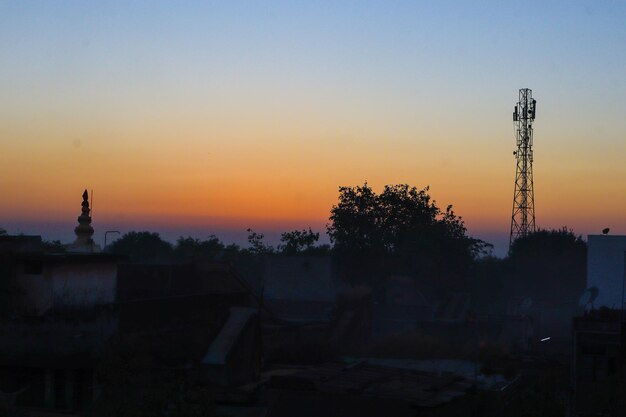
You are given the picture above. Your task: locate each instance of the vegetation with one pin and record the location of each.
(143, 247)
(211, 249)
(549, 264)
(150, 247)
(400, 231)
(546, 265)
(295, 242)
(301, 241)
(548, 243)
(257, 246)
(53, 246)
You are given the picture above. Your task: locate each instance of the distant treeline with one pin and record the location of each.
(399, 231)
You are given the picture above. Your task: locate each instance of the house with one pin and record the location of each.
(606, 269)
(56, 281)
(599, 364)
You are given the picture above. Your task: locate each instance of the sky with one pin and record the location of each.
(198, 118)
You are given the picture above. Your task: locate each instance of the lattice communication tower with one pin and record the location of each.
(523, 217)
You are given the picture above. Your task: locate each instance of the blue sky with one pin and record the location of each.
(145, 98)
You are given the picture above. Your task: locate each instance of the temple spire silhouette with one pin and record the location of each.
(84, 231)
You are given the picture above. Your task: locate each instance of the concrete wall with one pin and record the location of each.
(36, 292)
(605, 268)
(67, 285)
(83, 285)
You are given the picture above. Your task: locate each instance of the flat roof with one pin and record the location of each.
(98, 257)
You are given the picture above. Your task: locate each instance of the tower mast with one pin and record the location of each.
(523, 217)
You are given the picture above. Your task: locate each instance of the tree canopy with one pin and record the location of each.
(549, 243)
(550, 264)
(143, 247)
(400, 231)
(295, 242)
(256, 243)
(301, 242)
(211, 249)
(53, 246)
(150, 247)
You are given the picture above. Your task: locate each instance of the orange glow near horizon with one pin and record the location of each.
(236, 187)
(291, 177)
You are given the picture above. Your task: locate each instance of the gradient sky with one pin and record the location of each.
(211, 117)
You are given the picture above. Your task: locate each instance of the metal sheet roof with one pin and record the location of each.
(228, 335)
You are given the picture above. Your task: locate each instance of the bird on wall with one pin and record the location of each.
(605, 231)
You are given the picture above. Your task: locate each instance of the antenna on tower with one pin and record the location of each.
(523, 217)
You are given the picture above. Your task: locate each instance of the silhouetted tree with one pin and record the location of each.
(190, 248)
(490, 289)
(548, 243)
(143, 247)
(301, 242)
(550, 264)
(297, 241)
(53, 246)
(211, 249)
(3, 232)
(400, 231)
(257, 246)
